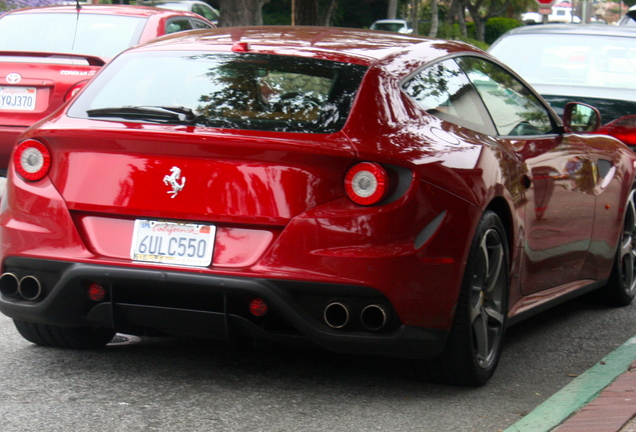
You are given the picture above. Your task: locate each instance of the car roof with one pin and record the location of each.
(575, 29)
(358, 46)
(126, 10)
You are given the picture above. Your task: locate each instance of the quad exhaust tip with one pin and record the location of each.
(28, 288)
(373, 317)
(9, 284)
(337, 315)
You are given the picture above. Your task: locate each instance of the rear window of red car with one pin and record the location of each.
(237, 91)
(84, 33)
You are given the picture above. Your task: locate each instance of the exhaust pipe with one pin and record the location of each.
(336, 315)
(29, 288)
(9, 284)
(374, 317)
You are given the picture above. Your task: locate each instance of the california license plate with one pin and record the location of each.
(18, 98)
(173, 243)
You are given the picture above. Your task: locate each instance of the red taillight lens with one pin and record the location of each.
(366, 183)
(73, 90)
(32, 160)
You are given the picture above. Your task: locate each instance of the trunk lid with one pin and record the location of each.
(185, 173)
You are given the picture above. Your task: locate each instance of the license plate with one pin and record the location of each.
(18, 98)
(173, 243)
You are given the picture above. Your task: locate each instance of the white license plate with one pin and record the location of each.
(173, 243)
(18, 98)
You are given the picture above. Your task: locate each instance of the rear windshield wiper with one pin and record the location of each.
(159, 114)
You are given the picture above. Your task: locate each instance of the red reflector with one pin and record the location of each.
(258, 307)
(96, 292)
(241, 47)
(437, 260)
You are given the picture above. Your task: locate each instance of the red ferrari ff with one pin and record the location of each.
(47, 54)
(369, 192)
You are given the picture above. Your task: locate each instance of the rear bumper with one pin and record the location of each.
(8, 138)
(148, 301)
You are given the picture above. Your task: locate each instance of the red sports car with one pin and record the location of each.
(369, 192)
(47, 53)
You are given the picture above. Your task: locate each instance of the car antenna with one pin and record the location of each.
(78, 6)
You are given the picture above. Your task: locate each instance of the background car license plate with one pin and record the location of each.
(18, 98)
(173, 243)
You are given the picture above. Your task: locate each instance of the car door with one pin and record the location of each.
(556, 172)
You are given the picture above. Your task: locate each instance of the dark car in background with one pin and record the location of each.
(365, 192)
(593, 64)
(47, 54)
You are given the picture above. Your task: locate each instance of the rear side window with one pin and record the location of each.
(238, 91)
(445, 91)
(515, 110)
(199, 24)
(477, 94)
(178, 24)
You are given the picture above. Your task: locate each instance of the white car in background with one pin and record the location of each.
(392, 25)
(558, 15)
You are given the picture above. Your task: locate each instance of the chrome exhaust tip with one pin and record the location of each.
(336, 315)
(9, 284)
(374, 317)
(29, 288)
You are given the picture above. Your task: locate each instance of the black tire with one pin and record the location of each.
(64, 337)
(475, 342)
(621, 286)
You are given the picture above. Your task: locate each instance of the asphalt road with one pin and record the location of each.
(192, 385)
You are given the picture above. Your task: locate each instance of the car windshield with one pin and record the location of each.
(577, 60)
(237, 91)
(84, 33)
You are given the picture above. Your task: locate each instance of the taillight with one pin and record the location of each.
(366, 183)
(32, 160)
(74, 90)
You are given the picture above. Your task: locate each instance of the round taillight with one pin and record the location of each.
(32, 160)
(366, 183)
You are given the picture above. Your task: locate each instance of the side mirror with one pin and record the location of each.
(580, 118)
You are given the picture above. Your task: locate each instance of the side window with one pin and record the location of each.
(198, 24)
(178, 24)
(514, 109)
(445, 91)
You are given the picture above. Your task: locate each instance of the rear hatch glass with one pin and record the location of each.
(77, 33)
(236, 91)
